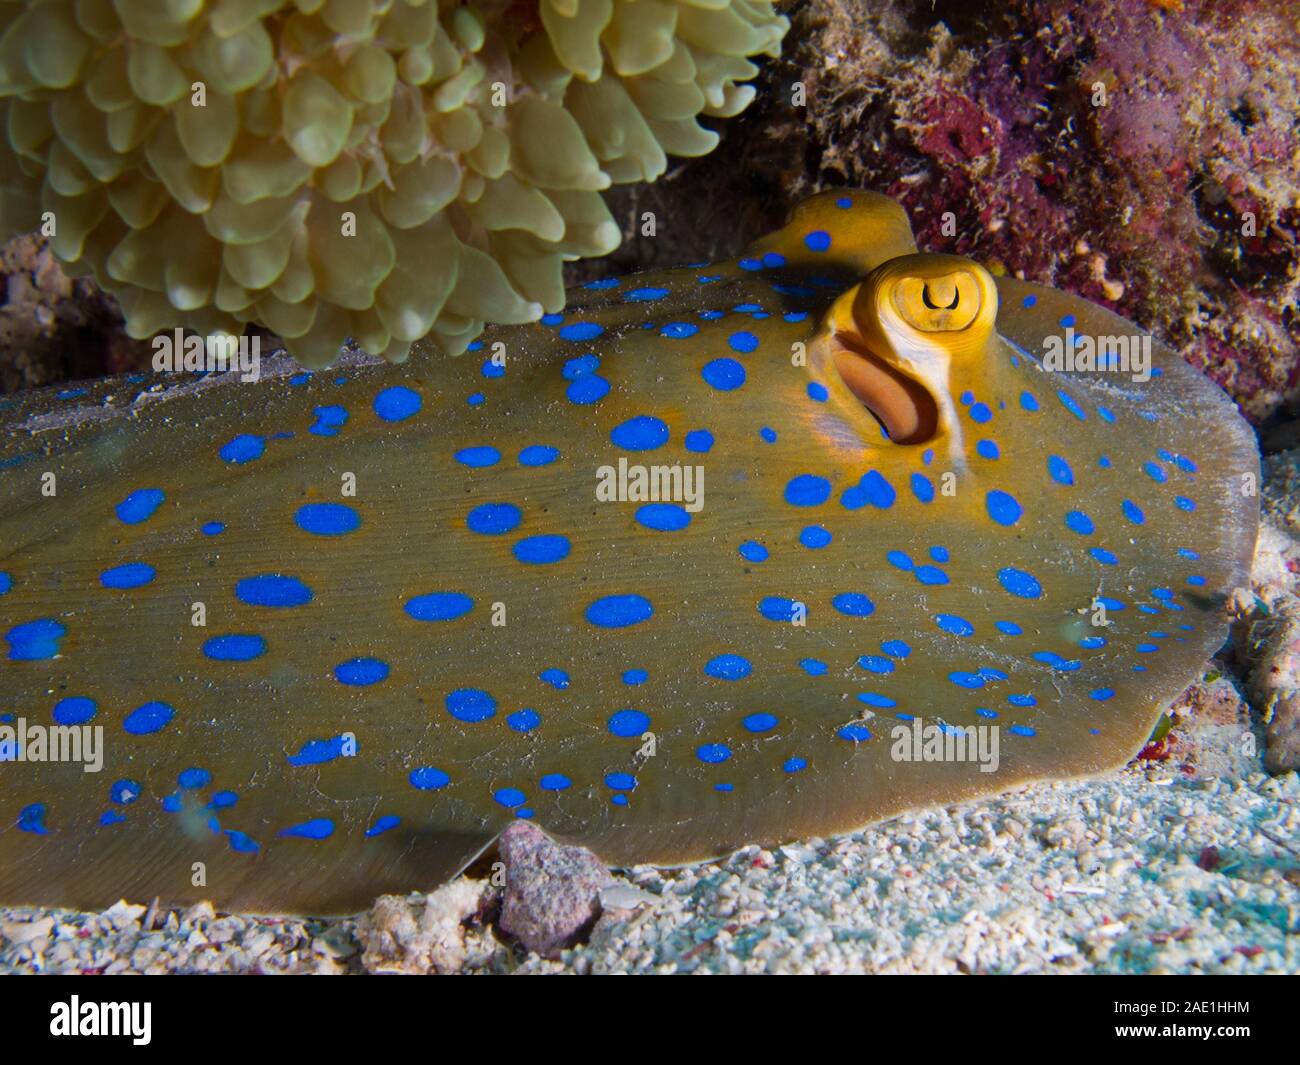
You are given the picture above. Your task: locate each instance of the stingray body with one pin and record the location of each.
(339, 630)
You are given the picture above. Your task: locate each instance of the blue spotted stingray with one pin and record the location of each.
(340, 629)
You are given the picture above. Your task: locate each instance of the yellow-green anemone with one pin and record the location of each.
(380, 169)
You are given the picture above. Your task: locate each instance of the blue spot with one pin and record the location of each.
(1155, 472)
(987, 449)
(35, 640)
(6, 583)
(126, 791)
(194, 778)
(726, 375)
(966, 680)
(478, 456)
(1021, 730)
(360, 672)
(556, 678)
(729, 667)
(273, 590)
(699, 440)
(1022, 700)
(234, 648)
(524, 720)
(555, 782)
(1003, 507)
(644, 295)
(243, 448)
(883, 702)
(818, 240)
(767, 434)
(541, 550)
(931, 575)
(956, 625)
(316, 752)
(75, 710)
(1060, 470)
(854, 733)
(880, 493)
(581, 331)
(713, 753)
(1019, 583)
(1028, 401)
(619, 611)
(760, 722)
(853, 604)
(679, 330)
(428, 778)
(817, 391)
(1079, 522)
(493, 519)
(900, 560)
(794, 765)
(509, 797)
(490, 369)
(327, 519)
(471, 705)
(743, 342)
(642, 433)
(139, 506)
(751, 551)
(316, 828)
(814, 536)
(223, 800)
(1069, 404)
(1133, 512)
(32, 819)
(129, 575)
(620, 781)
(580, 367)
(1103, 556)
(980, 413)
(213, 528)
(778, 608)
(538, 455)
(663, 517)
(876, 664)
(151, 717)
(1101, 694)
(587, 390)
(439, 606)
(807, 490)
(813, 667)
(628, 723)
(633, 677)
(1009, 627)
(1183, 503)
(241, 842)
(922, 488)
(897, 648)
(397, 403)
(383, 824)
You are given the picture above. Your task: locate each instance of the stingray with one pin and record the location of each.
(745, 552)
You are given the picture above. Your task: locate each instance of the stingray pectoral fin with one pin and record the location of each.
(143, 858)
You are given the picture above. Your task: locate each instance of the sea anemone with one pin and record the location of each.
(385, 170)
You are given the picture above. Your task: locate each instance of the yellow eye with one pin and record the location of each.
(942, 304)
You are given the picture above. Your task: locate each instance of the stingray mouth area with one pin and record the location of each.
(898, 402)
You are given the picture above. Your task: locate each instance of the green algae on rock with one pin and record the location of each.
(387, 170)
(1031, 563)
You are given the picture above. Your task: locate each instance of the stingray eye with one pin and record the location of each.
(942, 304)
